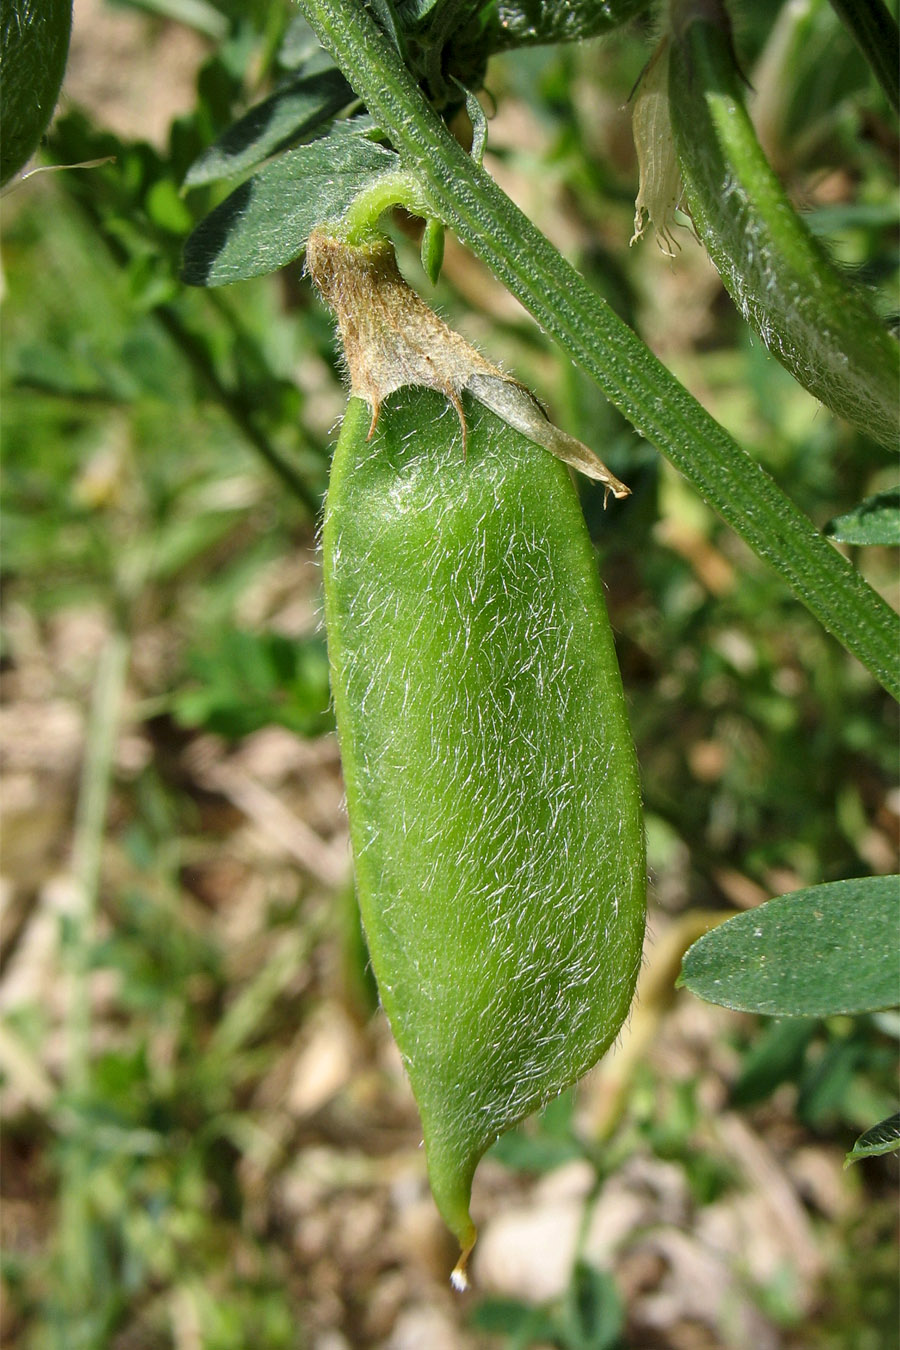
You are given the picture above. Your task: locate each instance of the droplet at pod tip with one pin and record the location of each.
(459, 1276)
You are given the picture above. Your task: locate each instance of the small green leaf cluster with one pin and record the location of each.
(317, 167)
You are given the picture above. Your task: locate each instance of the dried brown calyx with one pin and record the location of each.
(660, 188)
(391, 338)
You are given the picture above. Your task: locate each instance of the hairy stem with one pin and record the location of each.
(460, 194)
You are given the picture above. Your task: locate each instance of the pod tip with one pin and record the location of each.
(459, 1276)
(459, 1279)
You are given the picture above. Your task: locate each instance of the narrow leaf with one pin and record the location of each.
(264, 223)
(286, 116)
(479, 122)
(881, 1138)
(874, 521)
(829, 949)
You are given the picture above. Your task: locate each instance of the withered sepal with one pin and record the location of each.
(391, 338)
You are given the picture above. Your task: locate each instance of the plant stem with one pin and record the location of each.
(361, 220)
(660, 408)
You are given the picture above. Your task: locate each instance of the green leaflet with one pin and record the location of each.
(813, 320)
(881, 1138)
(874, 521)
(529, 22)
(491, 780)
(34, 44)
(828, 949)
(302, 105)
(265, 222)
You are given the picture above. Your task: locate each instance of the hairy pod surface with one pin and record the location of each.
(491, 779)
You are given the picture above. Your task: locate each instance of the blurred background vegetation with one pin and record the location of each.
(208, 1142)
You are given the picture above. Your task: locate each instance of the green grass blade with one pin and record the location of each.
(470, 203)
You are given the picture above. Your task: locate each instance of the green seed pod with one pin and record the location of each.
(491, 780)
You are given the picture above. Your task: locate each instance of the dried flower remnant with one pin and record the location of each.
(659, 187)
(391, 339)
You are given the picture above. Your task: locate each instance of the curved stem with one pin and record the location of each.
(392, 189)
(660, 408)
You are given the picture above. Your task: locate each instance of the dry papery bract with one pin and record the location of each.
(391, 339)
(660, 187)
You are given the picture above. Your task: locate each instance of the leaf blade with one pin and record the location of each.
(286, 116)
(874, 521)
(264, 223)
(813, 953)
(881, 1138)
(34, 45)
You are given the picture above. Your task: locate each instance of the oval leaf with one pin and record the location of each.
(881, 1138)
(829, 949)
(285, 117)
(34, 44)
(265, 223)
(874, 521)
